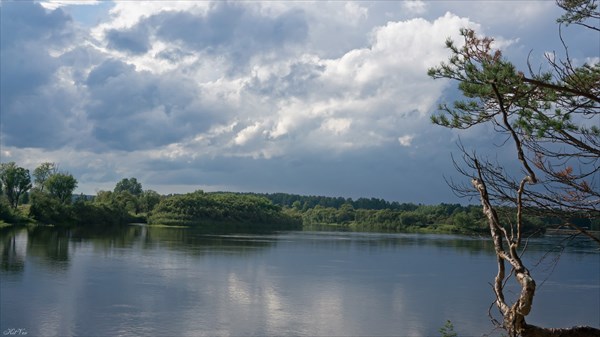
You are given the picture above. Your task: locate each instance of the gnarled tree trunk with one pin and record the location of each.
(514, 315)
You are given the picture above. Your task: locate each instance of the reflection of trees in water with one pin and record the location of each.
(54, 245)
(221, 239)
(389, 241)
(106, 238)
(456, 243)
(190, 240)
(13, 260)
(51, 244)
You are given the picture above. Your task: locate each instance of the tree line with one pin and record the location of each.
(46, 196)
(374, 214)
(311, 201)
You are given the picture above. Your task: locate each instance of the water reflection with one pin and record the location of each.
(53, 245)
(12, 245)
(149, 281)
(371, 241)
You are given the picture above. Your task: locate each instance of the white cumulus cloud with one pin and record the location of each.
(406, 140)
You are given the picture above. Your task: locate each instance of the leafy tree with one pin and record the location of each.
(115, 202)
(42, 173)
(130, 185)
(48, 209)
(551, 119)
(15, 180)
(8, 214)
(24, 198)
(345, 213)
(90, 213)
(61, 186)
(411, 218)
(105, 197)
(148, 200)
(127, 201)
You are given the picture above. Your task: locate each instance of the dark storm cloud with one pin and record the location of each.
(24, 69)
(133, 110)
(198, 32)
(108, 70)
(135, 40)
(27, 33)
(26, 21)
(227, 29)
(32, 113)
(38, 120)
(385, 172)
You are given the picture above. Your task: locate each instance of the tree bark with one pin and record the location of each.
(514, 315)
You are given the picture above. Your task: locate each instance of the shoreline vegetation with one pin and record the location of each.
(278, 211)
(49, 200)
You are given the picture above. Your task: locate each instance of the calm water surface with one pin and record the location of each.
(182, 282)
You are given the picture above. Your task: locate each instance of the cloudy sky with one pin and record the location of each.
(319, 98)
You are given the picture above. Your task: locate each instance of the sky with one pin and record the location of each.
(303, 97)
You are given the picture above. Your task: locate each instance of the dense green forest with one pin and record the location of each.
(199, 208)
(383, 216)
(373, 214)
(48, 199)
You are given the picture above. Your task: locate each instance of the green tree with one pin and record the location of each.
(411, 218)
(107, 200)
(579, 12)
(130, 185)
(6, 211)
(15, 180)
(104, 197)
(127, 201)
(61, 186)
(345, 214)
(148, 200)
(42, 173)
(48, 209)
(551, 118)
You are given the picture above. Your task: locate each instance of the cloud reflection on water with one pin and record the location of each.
(148, 282)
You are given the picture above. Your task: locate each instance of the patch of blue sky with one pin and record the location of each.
(85, 13)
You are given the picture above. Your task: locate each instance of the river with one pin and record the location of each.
(149, 281)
